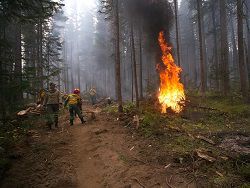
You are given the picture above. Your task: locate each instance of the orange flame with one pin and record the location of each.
(171, 91)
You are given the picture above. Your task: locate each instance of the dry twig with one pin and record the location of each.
(139, 182)
(168, 184)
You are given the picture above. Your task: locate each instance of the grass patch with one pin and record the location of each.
(123, 158)
(112, 109)
(244, 171)
(152, 124)
(232, 104)
(245, 185)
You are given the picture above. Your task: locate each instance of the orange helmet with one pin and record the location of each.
(76, 91)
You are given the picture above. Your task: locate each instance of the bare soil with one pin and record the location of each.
(101, 153)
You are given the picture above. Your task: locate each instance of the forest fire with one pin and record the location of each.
(171, 91)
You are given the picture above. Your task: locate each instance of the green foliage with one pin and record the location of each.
(245, 185)
(30, 49)
(112, 109)
(129, 107)
(151, 124)
(244, 171)
(123, 158)
(222, 182)
(232, 104)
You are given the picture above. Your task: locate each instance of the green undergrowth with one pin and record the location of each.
(127, 108)
(232, 104)
(112, 109)
(217, 118)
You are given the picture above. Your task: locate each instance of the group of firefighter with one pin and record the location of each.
(52, 99)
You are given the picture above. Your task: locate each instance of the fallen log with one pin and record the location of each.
(24, 112)
(205, 108)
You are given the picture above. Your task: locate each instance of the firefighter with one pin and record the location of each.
(80, 101)
(92, 93)
(41, 97)
(52, 102)
(73, 101)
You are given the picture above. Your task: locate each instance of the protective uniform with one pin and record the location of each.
(52, 101)
(92, 93)
(73, 101)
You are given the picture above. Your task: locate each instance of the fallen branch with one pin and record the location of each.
(203, 155)
(205, 139)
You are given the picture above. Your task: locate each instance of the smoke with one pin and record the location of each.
(155, 15)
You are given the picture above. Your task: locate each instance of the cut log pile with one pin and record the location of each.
(32, 110)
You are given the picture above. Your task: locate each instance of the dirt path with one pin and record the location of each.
(102, 153)
(111, 155)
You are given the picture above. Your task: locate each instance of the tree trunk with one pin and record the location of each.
(72, 70)
(202, 67)
(65, 79)
(18, 63)
(216, 61)
(224, 48)
(204, 44)
(118, 60)
(79, 75)
(40, 54)
(132, 71)
(242, 67)
(48, 65)
(248, 40)
(135, 69)
(141, 72)
(177, 32)
(235, 52)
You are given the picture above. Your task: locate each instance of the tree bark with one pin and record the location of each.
(177, 32)
(118, 59)
(135, 69)
(216, 61)
(202, 67)
(18, 62)
(40, 54)
(248, 40)
(235, 52)
(141, 72)
(242, 67)
(224, 48)
(132, 71)
(72, 70)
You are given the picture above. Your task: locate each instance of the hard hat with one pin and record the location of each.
(76, 91)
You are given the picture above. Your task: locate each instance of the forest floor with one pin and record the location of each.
(202, 147)
(101, 153)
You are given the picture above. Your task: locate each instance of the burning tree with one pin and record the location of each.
(171, 91)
